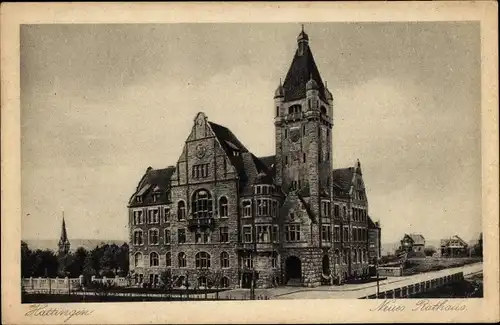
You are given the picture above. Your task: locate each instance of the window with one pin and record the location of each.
(274, 260)
(247, 209)
(327, 132)
(277, 110)
(202, 260)
(286, 133)
(138, 240)
(206, 237)
(166, 215)
(199, 171)
(304, 157)
(337, 257)
(181, 236)
(138, 199)
(138, 260)
(292, 233)
(223, 211)
(153, 216)
(345, 212)
(247, 234)
(181, 210)
(303, 130)
(224, 260)
(346, 234)
(355, 256)
(153, 259)
(337, 234)
(138, 217)
(345, 256)
(248, 261)
(181, 259)
(275, 234)
(326, 233)
(326, 206)
(336, 210)
(263, 234)
(224, 282)
(263, 207)
(168, 259)
(201, 204)
(224, 234)
(167, 236)
(286, 160)
(274, 209)
(153, 236)
(323, 110)
(294, 109)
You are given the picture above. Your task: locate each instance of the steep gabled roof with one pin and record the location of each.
(417, 239)
(301, 70)
(153, 179)
(342, 178)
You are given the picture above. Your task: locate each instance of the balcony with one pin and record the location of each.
(245, 246)
(201, 223)
(259, 247)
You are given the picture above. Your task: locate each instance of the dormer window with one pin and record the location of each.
(138, 199)
(236, 153)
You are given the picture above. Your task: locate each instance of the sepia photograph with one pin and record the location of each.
(227, 162)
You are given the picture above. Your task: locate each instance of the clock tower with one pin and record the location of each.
(303, 126)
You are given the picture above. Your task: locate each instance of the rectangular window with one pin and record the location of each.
(166, 215)
(326, 208)
(326, 233)
(336, 210)
(153, 237)
(167, 236)
(224, 234)
(286, 133)
(292, 233)
(275, 234)
(199, 171)
(263, 235)
(197, 237)
(181, 236)
(138, 217)
(346, 234)
(337, 234)
(207, 237)
(247, 234)
(286, 160)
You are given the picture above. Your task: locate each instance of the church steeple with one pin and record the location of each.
(64, 244)
(303, 41)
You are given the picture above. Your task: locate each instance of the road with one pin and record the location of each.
(363, 290)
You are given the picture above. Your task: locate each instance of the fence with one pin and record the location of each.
(65, 284)
(390, 271)
(413, 289)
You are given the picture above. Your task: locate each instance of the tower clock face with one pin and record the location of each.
(201, 150)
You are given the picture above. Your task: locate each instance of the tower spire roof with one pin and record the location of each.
(302, 69)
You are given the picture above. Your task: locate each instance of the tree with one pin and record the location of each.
(64, 264)
(88, 269)
(429, 251)
(79, 258)
(122, 259)
(213, 280)
(26, 261)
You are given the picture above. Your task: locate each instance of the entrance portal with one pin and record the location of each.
(293, 269)
(326, 265)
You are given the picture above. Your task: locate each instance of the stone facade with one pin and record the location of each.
(222, 214)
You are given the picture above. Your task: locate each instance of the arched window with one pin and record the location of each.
(181, 259)
(323, 110)
(201, 204)
(202, 282)
(224, 282)
(181, 210)
(153, 236)
(224, 260)
(274, 260)
(223, 211)
(355, 259)
(153, 259)
(138, 237)
(202, 260)
(168, 259)
(138, 260)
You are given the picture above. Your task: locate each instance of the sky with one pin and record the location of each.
(101, 103)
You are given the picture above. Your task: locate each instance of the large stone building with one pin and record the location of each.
(222, 212)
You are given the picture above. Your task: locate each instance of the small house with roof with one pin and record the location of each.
(413, 243)
(454, 247)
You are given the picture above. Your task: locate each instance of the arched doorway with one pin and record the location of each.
(326, 265)
(293, 269)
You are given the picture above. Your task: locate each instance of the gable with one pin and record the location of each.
(294, 204)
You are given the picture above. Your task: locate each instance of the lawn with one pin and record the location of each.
(422, 265)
